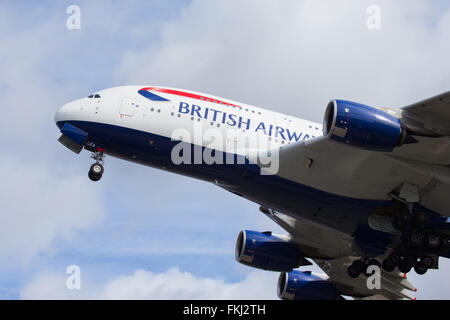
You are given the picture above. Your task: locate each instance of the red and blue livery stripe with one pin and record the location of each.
(147, 92)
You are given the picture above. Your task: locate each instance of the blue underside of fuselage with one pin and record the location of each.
(348, 215)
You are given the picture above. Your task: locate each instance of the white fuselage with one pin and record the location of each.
(125, 107)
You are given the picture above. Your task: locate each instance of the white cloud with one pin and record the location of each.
(40, 205)
(142, 284)
(50, 286)
(294, 56)
(177, 285)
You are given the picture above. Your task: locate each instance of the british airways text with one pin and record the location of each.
(232, 120)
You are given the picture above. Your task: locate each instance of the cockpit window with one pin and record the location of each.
(96, 96)
(91, 96)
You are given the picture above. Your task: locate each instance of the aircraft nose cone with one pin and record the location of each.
(67, 112)
(60, 115)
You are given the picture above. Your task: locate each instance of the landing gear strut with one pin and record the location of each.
(420, 244)
(96, 170)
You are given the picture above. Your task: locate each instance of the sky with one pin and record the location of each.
(141, 233)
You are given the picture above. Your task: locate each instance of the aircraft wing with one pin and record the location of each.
(433, 112)
(340, 169)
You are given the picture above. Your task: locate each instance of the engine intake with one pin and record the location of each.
(265, 251)
(298, 285)
(362, 126)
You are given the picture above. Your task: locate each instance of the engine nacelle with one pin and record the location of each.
(265, 251)
(298, 285)
(362, 126)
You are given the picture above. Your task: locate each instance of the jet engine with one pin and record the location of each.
(362, 126)
(266, 251)
(298, 285)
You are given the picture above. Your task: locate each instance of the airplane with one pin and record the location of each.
(364, 195)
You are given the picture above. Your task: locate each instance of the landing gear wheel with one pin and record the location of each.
(395, 258)
(423, 265)
(445, 242)
(355, 269)
(404, 267)
(95, 172)
(388, 265)
(97, 169)
(432, 240)
(427, 262)
(407, 263)
(391, 262)
(93, 176)
(415, 240)
(419, 269)
(372, 262)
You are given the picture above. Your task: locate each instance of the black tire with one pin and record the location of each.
(352, 273)
(445, 242)
(419, 269)
(96, 169)
(404, 267)
(371, 262)
(355, 269)
(388, 265)
(93, 176)
(426, 262)
(415, 240)
(432, 240)
(394, 258)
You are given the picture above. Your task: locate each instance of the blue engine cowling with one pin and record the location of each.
(298, 285)
(265, 251)
(362, 126)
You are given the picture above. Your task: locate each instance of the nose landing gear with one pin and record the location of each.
(96, 170)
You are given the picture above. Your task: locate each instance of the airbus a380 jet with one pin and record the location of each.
(364, 194)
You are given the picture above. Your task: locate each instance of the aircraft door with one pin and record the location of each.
(127, 108)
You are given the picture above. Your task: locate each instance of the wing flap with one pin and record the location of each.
(433, 113)
(429, 150)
